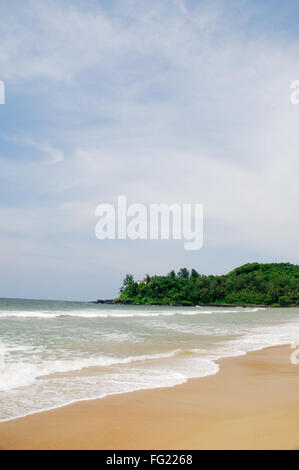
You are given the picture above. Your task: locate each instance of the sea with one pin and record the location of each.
(54, 353)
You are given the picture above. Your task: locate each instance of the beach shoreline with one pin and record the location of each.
(251, 403)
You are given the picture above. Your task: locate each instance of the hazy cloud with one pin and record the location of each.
(161, 101)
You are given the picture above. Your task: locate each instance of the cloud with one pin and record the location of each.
(162, 101)
(54, 41)
(53, 155)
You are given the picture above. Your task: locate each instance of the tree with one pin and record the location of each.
(194, 274)
(129, 285)
(172, 274)
(284, 300)
(128, 280)
(184, 273)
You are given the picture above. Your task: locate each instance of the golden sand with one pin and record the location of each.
(252, 403)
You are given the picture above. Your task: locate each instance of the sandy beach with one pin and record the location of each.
(252, 403)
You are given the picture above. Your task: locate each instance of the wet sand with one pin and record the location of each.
(252, 403)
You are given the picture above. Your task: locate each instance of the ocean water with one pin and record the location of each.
(54, 353)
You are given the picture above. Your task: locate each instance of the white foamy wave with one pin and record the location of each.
(19, 374)
(2, 352)
(267, 336)
(28, 314)
(120, 313)
(192, 366)
(82, 314)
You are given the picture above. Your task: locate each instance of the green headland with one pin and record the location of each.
(274, 284)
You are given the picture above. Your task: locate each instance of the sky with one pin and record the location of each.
(167, 101)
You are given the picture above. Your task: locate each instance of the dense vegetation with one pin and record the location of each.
(254, 283)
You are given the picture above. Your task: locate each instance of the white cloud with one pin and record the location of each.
(163, 105)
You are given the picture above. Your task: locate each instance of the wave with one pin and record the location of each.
(19, 374)
(193, 362)
(30, 383)
(119, 313)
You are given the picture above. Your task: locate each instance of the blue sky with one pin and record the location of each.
(161, 101)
